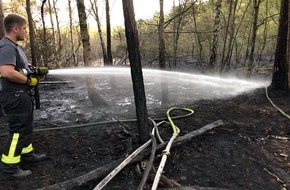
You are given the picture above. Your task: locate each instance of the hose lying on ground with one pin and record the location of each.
(136, 152)
(274, 105)
(103, 170)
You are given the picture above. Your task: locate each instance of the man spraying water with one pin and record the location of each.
(18, 79)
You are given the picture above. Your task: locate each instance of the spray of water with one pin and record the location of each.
(181, 86)
(183, 89)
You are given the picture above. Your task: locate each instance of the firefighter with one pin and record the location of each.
(16, 98)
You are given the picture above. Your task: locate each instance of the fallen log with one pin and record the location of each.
(104, 170)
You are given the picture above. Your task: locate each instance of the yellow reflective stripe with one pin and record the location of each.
(11, 159)
(28, 149)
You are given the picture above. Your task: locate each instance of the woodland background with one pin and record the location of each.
(214, 34)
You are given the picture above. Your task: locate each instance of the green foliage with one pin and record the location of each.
(188, 33)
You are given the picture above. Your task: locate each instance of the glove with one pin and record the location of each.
(42, 71)
(32, 80)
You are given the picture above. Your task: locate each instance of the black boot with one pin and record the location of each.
(31, 158)
(10, 171)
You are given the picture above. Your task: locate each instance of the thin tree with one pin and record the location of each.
(33, 49)
(45, 45)
(162, 51)
(280, 69)
(2, 32)
(256, 4)
(226, 36)
(213, 50)
(109, 40)
(162, 61)
(97, 18)
(91, 84)
(136, 70)
(73, 54)
(59, 49)
(229, 53)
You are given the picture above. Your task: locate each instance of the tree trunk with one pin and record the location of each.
(256, 4)
(280, 70)
(198, 37)
(288, 48)
(91, 84)
(32, 50)
(223, 62)
(109, 41)
(59, 44)
(231, 37)
(2, 32)
(213, 51)
(74, 61)
(97, 18)
(162, 61)
(136, 70)
(45, 56)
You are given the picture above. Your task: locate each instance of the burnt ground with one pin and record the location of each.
(249, 151)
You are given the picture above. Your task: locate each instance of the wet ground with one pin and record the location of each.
(249, 151)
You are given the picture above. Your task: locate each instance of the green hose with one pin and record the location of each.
(174, 128)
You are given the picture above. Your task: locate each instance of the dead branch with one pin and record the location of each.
(104, 170)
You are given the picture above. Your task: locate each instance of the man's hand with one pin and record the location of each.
(32, 80)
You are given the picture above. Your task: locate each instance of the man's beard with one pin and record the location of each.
(19, 38)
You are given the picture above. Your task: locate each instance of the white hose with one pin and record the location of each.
(166, 152)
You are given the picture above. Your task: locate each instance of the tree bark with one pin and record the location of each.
(45, 56)
(162, 51)
(109, 41)
(162, 62)
(91, 84)
(280, 69)
(256, 4)
(213, 51)
(74, 60)
(97, 18)
(136, 70)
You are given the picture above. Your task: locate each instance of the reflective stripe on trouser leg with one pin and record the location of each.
(28, 149)
(11, 158)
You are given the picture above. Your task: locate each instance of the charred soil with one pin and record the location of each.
(249, 151)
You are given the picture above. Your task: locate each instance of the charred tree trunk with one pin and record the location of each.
(162, 62)
(280, 71)
(109, 41)
(91, 84)
(136, 70)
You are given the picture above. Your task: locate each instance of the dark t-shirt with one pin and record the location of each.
(12, 54)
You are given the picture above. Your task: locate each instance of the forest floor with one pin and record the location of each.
(251, 150)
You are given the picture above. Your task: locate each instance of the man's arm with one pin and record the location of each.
(11, 74)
